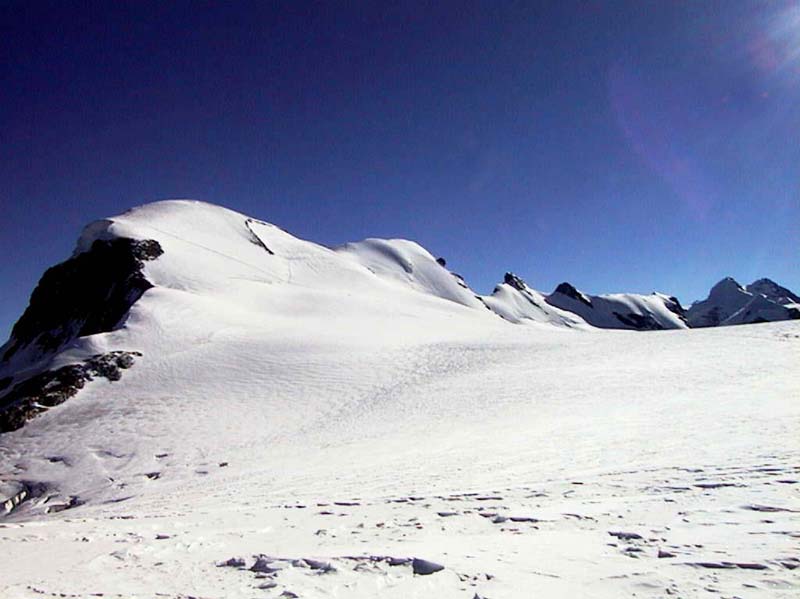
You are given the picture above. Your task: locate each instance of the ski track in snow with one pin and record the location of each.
(322, 415)
(429, 451)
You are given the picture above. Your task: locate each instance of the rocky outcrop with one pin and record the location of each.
(255, 239)
(47, 389)
(621, 310)
(674, 305)
(640, 322)
(425, 567)
(571, 292)
(89, 293)
(514, 281)
(513, 300)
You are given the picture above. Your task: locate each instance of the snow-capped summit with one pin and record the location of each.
(187, 391)
(165, 277)
(620, 310)
(516, 302)
(729, 303)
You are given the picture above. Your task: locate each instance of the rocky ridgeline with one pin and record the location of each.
(53, 387)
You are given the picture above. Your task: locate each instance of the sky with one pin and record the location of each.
(620, 146)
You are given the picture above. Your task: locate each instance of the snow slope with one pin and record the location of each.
(620, 310)
(316, 412)
(516, 302)
(408, 263)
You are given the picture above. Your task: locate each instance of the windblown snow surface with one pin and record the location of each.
(303, 420)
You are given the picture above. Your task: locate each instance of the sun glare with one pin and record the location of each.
(783, 37)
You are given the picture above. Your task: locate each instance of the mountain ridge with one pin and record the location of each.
(393, 260)
(216, 263)
(274, 415)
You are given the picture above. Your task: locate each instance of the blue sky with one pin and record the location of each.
(621, 146)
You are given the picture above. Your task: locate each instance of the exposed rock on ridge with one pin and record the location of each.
(570, 291)
(773, 292)
(621, 310)
(53, 387)
(87, 294)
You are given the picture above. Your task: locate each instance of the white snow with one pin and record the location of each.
(411, 265)
(317, 407)
(618, 310)
(528, 305)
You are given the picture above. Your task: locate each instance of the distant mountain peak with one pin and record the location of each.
(772, 291)
(728, 284)
(195, 269)
(763, 280)
(730, 303)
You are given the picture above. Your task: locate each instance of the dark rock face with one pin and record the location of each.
(514, 281)
(774, 292)
(441, 261)
(53, 387)
(460, 280)
(89, 293)
(520, 285)
(674, 305)
(255, 239)
(711, 319)
(640, 322)
(570, 291)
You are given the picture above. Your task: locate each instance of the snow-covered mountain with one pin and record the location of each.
(195, 269)
(730, 303)
(621, 310)
(516, 302)
(206, 270)
(197, 403)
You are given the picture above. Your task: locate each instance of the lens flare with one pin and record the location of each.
(775, 49)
